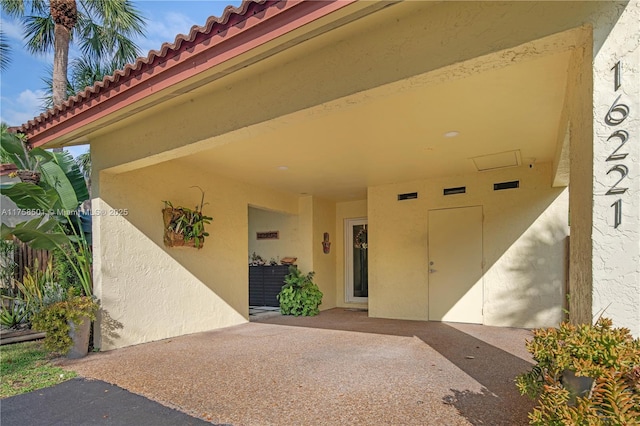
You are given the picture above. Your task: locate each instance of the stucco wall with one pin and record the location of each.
(616, 250)
(345, 210)
(324, 264)
(525, 229)
(150, 292)
(287, 244)
(524, 240)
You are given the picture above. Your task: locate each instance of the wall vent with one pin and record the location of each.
(506, 185)
(452, 191)
(408, 196)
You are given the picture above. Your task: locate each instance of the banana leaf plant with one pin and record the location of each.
(15, 150)
(54, 202)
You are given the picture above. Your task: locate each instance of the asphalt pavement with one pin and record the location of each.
(88, 402)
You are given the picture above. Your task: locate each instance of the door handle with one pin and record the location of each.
(431, 271)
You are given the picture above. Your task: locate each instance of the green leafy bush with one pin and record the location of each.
(609, 356)
(36, 290)
(54, 320)
(13, 314)
(299, 295)
(64, 272)
(8, 266)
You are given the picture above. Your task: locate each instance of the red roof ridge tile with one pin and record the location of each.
(230, 16)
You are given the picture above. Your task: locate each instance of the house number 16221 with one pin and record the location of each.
(616, 115)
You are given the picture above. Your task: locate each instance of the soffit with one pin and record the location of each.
(399, 136)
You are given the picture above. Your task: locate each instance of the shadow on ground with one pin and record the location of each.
(492, 356)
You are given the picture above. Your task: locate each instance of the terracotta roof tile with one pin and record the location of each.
(214, 25)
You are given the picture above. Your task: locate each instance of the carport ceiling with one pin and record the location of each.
(349, 146)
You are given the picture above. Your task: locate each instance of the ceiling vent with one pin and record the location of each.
(500, 160)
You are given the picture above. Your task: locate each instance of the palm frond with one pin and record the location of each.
(39, 33)
(14, 8)
(5, 49)
(47, 99)
(119, 15)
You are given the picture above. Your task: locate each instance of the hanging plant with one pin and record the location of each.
(184, 226)
(15, 149)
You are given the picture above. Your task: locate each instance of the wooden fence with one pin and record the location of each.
(25, 257)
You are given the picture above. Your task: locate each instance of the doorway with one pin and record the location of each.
(455, 265)
(356, 261)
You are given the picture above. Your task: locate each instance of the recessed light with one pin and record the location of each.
(451, 134)
(283, 168)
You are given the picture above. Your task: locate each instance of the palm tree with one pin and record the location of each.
(102, 30)
(5, 60)
(82, 72)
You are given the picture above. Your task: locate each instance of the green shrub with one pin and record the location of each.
(54, 320)
(299, 295)
(64, 272)
(8, 266)
(33, 285)
(13, 313)
(610, 356)
(36, 290)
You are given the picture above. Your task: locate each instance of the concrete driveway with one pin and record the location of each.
(338, 368)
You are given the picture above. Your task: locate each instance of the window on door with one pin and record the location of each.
(356, 262)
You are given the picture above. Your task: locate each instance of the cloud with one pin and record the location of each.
(12, 29)
(165, 24)
(25, 107)
(165, 28)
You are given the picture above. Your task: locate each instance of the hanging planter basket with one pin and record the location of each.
(184, 227)
(171, 238)
(28, 176)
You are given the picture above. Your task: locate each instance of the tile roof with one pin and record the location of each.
(214, 25)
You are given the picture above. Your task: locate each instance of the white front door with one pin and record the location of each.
(356, 252)
(455, 265)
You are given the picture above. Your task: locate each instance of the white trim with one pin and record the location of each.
(348, 260)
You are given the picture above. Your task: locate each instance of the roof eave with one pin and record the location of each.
(237, 32)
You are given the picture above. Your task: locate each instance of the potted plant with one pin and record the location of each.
(299, 295)
(584, 374)
(67, 324)
(184, 226)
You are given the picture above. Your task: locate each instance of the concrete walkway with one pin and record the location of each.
(338, 368)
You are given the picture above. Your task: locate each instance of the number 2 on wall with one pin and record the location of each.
(624, 171)
(616, 115)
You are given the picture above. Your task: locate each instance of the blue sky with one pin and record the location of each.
(21, 83)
